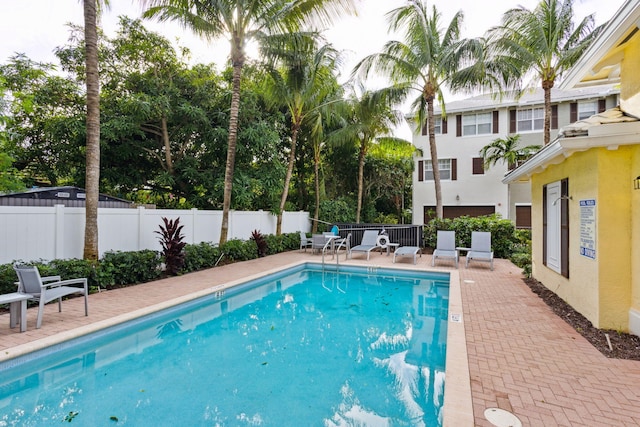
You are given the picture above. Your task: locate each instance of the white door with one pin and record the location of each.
(553, 226)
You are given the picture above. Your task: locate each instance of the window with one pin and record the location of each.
(444, 165)
(476, 124)
(437, 125)
(447, 168)
(478, 166)
(587, 109)
(530, 119)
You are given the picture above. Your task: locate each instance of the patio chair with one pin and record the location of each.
(318, 242)
(343, 243)
(445, 247)
(368, 243)
(305, 242)
(45, 289)
(480, 248)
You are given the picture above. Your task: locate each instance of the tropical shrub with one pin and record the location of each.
(502, 231)
(200, 256)
(172, 245)
(261, 243)
(118, 269)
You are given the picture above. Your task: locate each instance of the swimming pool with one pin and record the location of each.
(303, 347)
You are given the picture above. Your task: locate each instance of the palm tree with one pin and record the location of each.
(543, 43)
(92, 180)
(304, 85)
(371, 116)
(425, 62)
(506, 150)
(243, 21)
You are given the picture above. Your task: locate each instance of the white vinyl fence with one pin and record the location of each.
(46, 233)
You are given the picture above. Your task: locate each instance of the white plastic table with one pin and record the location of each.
(17, 308)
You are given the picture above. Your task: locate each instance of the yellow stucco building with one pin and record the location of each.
(586, 189)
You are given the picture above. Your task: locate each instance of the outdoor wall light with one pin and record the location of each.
(636, 183)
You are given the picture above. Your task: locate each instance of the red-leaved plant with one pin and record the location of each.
(261, 243)
(172, 245)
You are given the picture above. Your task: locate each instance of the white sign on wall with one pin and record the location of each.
(588, 228)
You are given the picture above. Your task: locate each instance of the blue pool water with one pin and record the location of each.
(300, 348)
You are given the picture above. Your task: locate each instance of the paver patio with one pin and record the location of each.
(522, 357)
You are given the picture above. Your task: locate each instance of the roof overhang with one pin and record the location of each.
(610, 136)
(601, 62)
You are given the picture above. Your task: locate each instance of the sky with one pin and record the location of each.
(37, 27)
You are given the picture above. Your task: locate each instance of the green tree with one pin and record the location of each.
(371, 116)
(389, 179)
(425, 62)
(506, 150)
(44, 122)
(9, 179)
(542, 43)
(304, 84)
(243, 21)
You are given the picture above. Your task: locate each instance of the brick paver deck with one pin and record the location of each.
(522, 357)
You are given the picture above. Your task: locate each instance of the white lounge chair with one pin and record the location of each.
(407, 251)
(480, 248)
(445, 247)
(368, 243)
(45, 289)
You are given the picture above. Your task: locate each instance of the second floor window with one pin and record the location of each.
(437, 125)
(530, 119)
(444, 165)
(587, 109)
(476, 124)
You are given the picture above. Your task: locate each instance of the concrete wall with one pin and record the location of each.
(601, 288)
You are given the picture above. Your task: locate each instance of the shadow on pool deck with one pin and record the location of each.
(522, 357)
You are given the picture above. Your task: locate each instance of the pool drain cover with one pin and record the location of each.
(501, 418)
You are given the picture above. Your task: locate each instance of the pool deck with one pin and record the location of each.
(521, 357)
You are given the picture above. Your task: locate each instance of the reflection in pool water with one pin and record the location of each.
(300, 348)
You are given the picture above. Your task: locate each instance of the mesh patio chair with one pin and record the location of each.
(46, 289)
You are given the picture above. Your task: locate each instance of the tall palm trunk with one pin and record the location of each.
(287, 178)
(231, 149)
(92, 184)
(316, 178)
(546, 86)
(434, 157)
(361, 155)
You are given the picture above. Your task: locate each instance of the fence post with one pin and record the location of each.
(194, 213)
(141, 214)
(59, 233)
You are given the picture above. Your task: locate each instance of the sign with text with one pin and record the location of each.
(588, 228)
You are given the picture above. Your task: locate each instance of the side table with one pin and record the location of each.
(17, 308)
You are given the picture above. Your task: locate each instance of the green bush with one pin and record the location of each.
(521, 251)
(239, 250)
(72, 268)
(119, 269)
(502, 232)
(200, 256)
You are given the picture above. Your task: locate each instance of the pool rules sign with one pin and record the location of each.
(588, 228)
